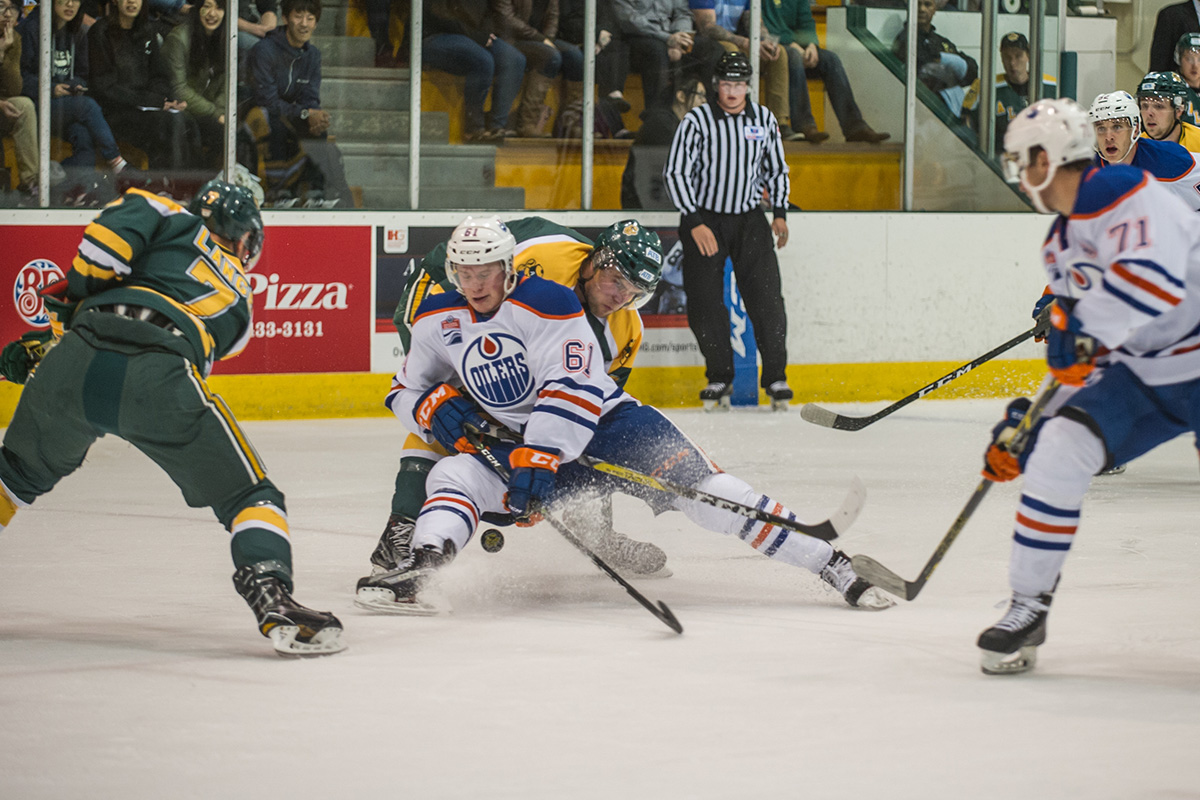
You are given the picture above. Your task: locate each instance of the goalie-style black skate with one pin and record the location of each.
(397, 591)
(395, 543)
(857, 592)
(1010, 646)
(293, 629)
(715, 396)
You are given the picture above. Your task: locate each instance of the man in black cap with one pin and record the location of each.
(1012, 87)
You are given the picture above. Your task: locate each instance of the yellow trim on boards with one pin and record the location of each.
(316, 396)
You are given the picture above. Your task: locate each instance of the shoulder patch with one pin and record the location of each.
(546, 298)
(1166, 161)
(1102, 189)
(446, 301)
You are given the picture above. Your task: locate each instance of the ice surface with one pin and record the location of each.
(130, 669)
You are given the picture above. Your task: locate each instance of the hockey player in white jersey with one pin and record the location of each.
(1123, 261)
(522, 349)
(1117, 121)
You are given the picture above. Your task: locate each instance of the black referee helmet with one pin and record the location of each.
(733, 66)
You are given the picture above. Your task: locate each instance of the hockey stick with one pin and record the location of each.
(811, 412)
(827, 530)
(871, 570)
(660, 611)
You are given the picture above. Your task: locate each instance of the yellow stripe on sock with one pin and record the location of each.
(260, 516)
(8, 509)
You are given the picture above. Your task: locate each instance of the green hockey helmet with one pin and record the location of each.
(1167, 85)
(230, 211)
(1189, 41)
(635, 252)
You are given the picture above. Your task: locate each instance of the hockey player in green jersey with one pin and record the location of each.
(157, 293)
(565, 256)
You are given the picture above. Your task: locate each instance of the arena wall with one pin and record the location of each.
(879, 304)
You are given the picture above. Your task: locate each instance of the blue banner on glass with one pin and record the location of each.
(741, 336)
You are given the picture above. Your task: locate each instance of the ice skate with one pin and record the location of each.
(293, 629)
(1119, 469)
(715, 396)
(780, 394)
(395, 543)
(399, 590)
(856, 591)
(591, 519)
(643, 559)
(1010, 646)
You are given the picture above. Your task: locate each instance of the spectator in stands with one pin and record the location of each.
(722, 27)
(458, 39)
(130, 82)
(287, 121)
(1161, 97)
(18, 117)
(792, 22)
(1173, 22)
(379, 23)
(642, 182)
(940, 65)
(256, 18)
(651, 36)
(74, 116)
(1012, 87)
(1187, 53)
(533, 29)
(194, 55)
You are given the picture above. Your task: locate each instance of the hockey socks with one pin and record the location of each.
(774, 542)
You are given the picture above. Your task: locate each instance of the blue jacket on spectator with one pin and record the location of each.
(69, 61)
(286, 80)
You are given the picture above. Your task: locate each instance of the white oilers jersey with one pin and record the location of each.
(534, 365)
(1130, 255)
(1175, 168)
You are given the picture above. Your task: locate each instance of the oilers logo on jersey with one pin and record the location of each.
(1081, 273)
(496, 371)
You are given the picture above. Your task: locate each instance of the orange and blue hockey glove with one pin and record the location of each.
(534, 470)
(999, 464)
(446, 414)
(1070, 353)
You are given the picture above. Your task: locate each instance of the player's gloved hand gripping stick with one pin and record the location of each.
(659, 610)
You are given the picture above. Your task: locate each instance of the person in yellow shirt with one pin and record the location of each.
(1161, 97)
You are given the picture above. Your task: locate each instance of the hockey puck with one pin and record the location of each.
(492, 540)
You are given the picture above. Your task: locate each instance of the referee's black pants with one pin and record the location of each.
(747, 240)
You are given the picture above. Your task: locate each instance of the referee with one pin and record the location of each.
(724, 153)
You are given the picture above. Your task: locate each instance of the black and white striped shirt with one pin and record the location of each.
(721, 163)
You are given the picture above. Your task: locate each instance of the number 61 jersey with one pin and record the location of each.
(1130, 256)
(534, 365)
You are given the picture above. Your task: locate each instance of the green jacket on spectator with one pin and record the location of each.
(204, 92)
(791, 21)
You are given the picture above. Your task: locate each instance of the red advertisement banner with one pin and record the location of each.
(312, 295)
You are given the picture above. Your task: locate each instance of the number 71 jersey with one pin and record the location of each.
(1129, 255)
(534, 365)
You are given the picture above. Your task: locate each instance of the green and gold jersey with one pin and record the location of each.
(1191, 107)
(553, 252)
(1011, 101)
(147, 250)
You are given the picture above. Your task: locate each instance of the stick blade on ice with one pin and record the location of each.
(844, 517)
(879, 575)
(811, 412)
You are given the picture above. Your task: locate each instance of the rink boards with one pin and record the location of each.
(878, 304)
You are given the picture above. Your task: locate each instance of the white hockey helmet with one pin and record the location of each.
(1059, 127)
(1117, 105)
(482, 240)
